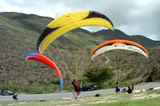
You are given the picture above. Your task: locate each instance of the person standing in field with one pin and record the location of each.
(117, 87)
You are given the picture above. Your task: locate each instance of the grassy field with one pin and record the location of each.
(149, 98)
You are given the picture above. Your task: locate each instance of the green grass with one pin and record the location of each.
(144, 102)
(154, 91)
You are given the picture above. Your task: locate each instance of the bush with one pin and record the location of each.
(99, 75)
(68, 87)
(32, 89)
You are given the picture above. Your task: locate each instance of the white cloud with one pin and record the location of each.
(131, 16)
(18, 1)
(143, 2)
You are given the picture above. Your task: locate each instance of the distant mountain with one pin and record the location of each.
(34, 25)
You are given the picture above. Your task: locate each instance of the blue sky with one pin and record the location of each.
(133, 17)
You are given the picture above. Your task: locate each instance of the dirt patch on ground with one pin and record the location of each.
(97, 102)
(142, 96)
(116, 98)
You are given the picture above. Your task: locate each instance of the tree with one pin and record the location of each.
(99, 76)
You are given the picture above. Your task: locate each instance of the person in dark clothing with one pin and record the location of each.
(117, 88)
(77, 89)
(124, 90)
(129, 90)
(15, 96)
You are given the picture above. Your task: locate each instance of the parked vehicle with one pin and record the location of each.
(6, 92)
(89, 88)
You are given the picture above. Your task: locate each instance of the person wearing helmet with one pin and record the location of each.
(77, 88)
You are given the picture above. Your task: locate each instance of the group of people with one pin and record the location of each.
(130, 89)
(77, 89)
(124, 90)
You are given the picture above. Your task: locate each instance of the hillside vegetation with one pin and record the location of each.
(71, 52)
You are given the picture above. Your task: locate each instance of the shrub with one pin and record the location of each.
(99, 75)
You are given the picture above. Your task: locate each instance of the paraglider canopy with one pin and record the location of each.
(43, 59)
(68, 22)
(119, 44)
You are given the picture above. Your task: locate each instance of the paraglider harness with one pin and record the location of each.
(77, 86)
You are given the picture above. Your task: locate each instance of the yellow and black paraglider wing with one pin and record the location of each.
(68, 22)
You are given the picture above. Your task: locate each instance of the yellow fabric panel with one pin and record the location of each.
(87, 22)
(142, 90)
(71, 21)
(68, 19)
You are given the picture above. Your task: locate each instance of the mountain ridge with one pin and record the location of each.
(106, 34)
